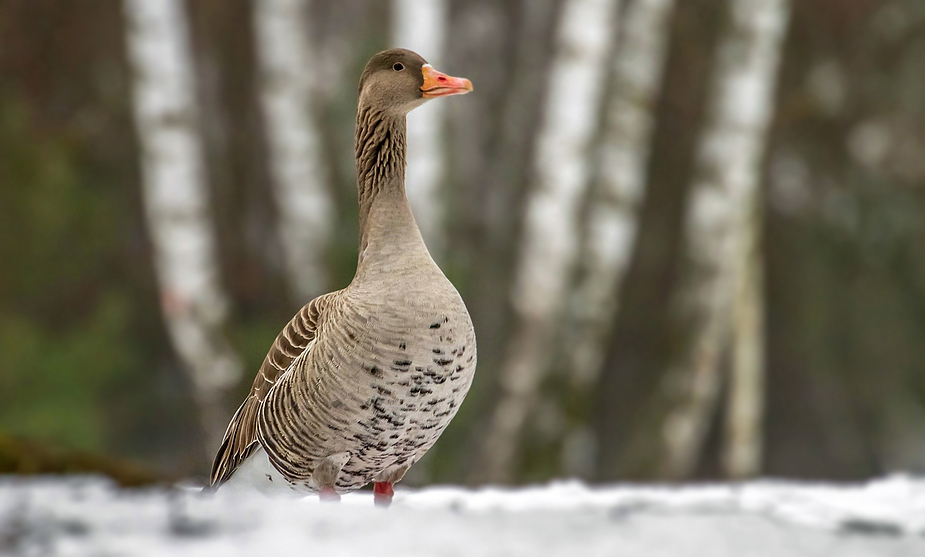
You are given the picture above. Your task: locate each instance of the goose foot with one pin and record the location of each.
(328, 494)
(382, 494)
(326, 473)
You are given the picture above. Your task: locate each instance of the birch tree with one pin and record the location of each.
(719, 219)
(420, 25)
(177, 203)
(610, 235)
(550, 234)
(743, 442)
(300, 181)
(625, 143)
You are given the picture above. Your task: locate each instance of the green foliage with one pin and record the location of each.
(64, 318)
(54, 381)
(59, 224)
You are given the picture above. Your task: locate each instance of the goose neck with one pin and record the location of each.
(386, 221)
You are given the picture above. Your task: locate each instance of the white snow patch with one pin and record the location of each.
(89, 516)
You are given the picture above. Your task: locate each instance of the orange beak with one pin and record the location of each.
(437, 84)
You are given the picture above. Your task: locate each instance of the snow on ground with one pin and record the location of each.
(87, 516)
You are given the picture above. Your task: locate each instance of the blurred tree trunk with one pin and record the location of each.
(718, 220)
(746, 393)
(550, 234)
(177, 205)
(610, 234)
(421, 27)
(505, 48)
(306, 209)
(624, 150)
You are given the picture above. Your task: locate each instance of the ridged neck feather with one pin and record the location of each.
(380, 158)
(389, 235)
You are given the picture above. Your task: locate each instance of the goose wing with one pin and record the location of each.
(240, 438)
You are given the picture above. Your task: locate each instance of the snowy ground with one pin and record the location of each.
(89, 517)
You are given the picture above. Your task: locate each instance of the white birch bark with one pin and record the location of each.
(718, 218)
(625, 144)
(744, 440)
(420, 25)
(300, 181)
(550, 235)
(177, 202)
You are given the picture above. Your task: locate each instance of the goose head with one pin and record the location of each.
(397, 81)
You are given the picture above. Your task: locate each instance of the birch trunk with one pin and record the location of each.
(613, 220)
(722, 196)
(177, 203)
(492, 143)
(420, 25)
(744, 440)
(625, 143)
(550, 234)
(300, 182)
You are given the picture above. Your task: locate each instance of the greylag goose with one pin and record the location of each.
(362, 381)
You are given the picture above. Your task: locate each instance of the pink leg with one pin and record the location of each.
(382, 494)
(328, 494)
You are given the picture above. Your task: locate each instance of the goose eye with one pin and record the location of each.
(398, 67)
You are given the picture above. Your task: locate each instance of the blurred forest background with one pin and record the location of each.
(691, 233)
